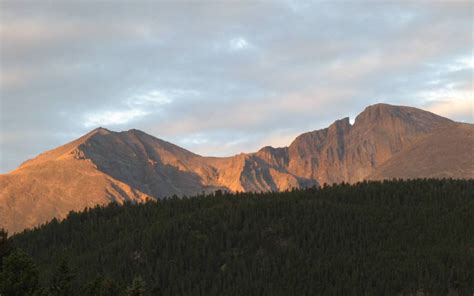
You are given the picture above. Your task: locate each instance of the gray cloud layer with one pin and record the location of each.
(222, 77)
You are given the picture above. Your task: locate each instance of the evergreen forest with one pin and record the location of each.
(371, 238)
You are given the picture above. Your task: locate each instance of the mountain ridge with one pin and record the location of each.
(104, 166)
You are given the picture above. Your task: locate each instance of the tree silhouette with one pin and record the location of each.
(137, 288)
(61, 284)
(5, 245)
(19, 275)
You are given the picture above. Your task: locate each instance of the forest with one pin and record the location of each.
(371, 238)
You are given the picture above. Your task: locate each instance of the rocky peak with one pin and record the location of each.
(389, 115)
(339, 128)
(274, 156)
(101, 130)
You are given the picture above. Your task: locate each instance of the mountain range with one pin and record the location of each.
(103, 166)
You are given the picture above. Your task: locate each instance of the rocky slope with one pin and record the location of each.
(446, 153)
(385, 141)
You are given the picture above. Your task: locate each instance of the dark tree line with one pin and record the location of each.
(371, 238)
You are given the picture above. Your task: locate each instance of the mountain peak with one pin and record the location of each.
(134, 131)
(381, 105)
(341, 124)
(100, 130)
(386, 114)
(379, 111)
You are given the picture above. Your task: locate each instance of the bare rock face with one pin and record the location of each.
(151, 165)
(103, 166)
(349, 153)
(55, 183)
(445, 153)
(319, 155)
(382, 130)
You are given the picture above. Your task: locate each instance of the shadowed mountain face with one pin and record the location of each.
(103, 166)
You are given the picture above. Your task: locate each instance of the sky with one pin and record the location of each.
(220, 78)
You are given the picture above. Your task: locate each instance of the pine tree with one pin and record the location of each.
(19, 275)
(137, 288)
(5, 246)
(61, 284)
(101, 287)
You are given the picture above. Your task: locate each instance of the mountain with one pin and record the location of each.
(447, 153)
(350, 153)
(385, 141)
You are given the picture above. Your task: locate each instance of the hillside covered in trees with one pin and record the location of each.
(371, 238)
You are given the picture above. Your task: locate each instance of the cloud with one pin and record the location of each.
(220, 78)
(462, 109)
(108, 118)
(154, 97)
(239, 44)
